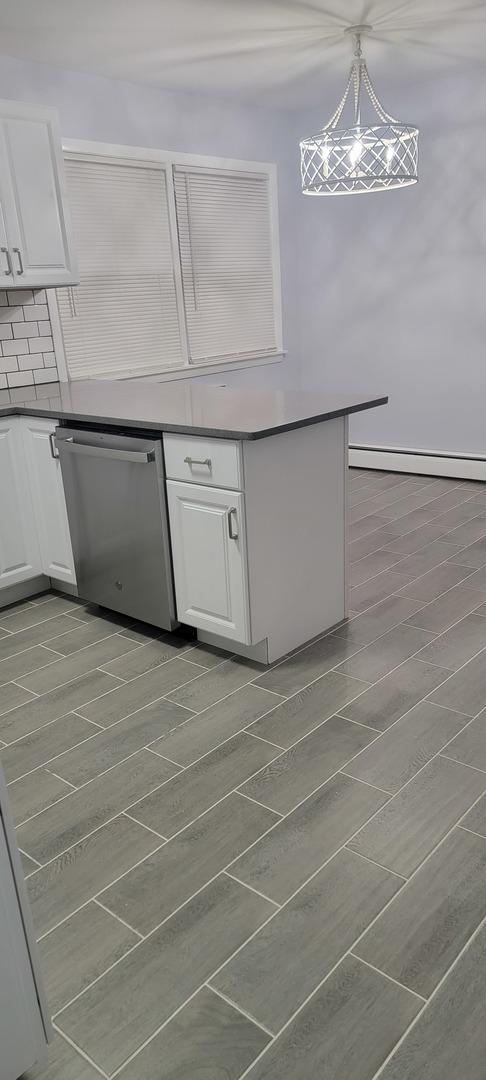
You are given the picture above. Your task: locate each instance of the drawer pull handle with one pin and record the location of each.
(54, 450)
(9, 270)
(198, 461)
(232, 523)
(18, 253)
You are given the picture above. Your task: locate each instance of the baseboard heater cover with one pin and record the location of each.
(400, 459)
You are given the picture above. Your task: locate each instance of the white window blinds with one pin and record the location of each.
(123, 315)
(225, 243)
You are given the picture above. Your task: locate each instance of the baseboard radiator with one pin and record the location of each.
(437, 463)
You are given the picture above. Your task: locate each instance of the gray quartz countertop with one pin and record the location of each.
(185, 407)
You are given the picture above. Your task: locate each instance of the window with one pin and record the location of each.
(178, 265)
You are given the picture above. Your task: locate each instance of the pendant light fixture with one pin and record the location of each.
(362, 157)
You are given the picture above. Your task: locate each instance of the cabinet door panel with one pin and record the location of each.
(19, 552)
(33, 199)
(48, 500)
(210, 559)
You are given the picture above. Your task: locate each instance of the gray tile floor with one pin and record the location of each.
(281, 873)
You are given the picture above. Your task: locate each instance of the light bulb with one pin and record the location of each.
(355, 152)
(390, 154)
(325, 152)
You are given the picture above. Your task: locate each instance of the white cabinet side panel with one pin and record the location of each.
(19, 551)
(295, 509)
(48, 499)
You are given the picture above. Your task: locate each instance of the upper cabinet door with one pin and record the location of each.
(209, 554)
(33, 197)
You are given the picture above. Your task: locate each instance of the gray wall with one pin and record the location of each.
(393, 285)
(119, 112)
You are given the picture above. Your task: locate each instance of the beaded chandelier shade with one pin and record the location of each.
(362, 157)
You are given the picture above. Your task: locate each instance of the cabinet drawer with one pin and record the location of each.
(203, 461)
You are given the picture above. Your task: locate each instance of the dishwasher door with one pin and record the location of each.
(115, 497)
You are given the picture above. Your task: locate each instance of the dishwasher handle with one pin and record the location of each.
(72, 447)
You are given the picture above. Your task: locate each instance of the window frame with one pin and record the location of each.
(82, 149)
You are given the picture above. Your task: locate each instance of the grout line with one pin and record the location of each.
(245, 885)
(67, 782)
(367, 858)
(456, 761)
(119, 919)
(247, 1015)
(365, 782)
(81, 1053)
(465, 828)
(243, 795)
(261, 739)
(389, 977)
(124, 813)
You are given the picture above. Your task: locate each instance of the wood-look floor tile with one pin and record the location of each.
(469, 532)
(207, 1038)
(58, 889)
(458, 644)
(216, 684)
(417, 938)
(431, 585)
(476, 581)
(406, 747)
(465, 690)
(149, 656)
(449, 1038)
(412, 823)
(384, 654)
(303, 712)
(82, 634)
(30, 616)
(22, 663)
(162, 882)
(344, 1032)
(83, 811)
(447, 609)
(282, 861)
(474, 555)
(378, 588)
(202, 784)
(79, 950)
(34, 792)
(470, 745)
(274, 973)
(129, 1003)
(64, 699)
(369, 543)
(394, 695)
(371, 565)
(215, 725)
(53, 630)
(45, 743)
(427, 558)
(78, 663)
(12, 695)
(416, 539)
(307, 665)
(129, 697)
(365, 526)
(371, 624)
(294, 775)
(118, 742)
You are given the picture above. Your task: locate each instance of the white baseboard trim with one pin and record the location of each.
(462, 466)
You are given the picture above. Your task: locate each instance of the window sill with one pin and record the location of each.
(195, 370)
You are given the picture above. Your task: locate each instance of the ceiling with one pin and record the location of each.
(276, 52)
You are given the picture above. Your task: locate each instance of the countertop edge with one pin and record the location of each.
(193, 429)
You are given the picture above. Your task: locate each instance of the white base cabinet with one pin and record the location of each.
(47, 493)
(19, 549)
(258, 531)
(209, 557)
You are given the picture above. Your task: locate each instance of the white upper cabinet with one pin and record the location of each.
(36, 247)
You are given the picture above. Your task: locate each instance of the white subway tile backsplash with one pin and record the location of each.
(3, 382)
(46, 375)
(20, 296)
(3, 297)
(21, 330)
(5, 331)
(36, 311)
(9, 363)
(28, 362)
(12, 348)
(10, 314)
(44, 344)
(44, 328)
(20, 378)
(49, 359)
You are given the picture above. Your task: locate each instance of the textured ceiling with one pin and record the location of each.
(276, 52)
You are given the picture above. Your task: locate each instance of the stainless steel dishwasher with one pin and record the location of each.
(115, 497)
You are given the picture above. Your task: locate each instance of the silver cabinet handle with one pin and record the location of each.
(52, 440)
(198, 461)
(9, 270)
(19, 256)
(232, 523)
(87, 450)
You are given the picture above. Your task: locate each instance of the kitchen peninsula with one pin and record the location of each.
(255, 484)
